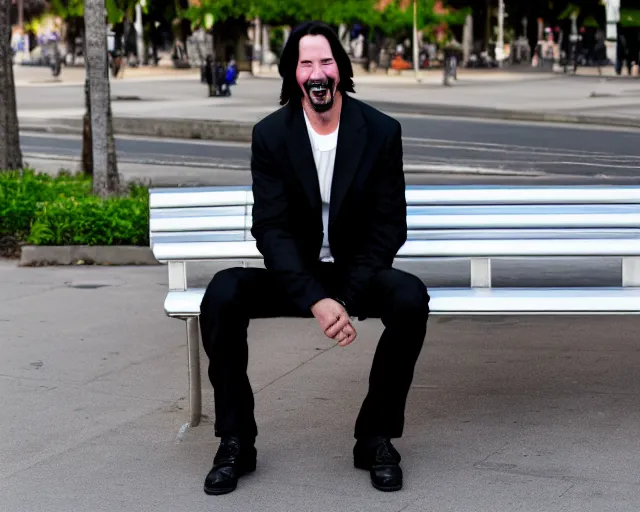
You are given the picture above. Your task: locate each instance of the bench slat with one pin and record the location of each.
(199, 236)
(513, 220)
(479, 194)
(201, 211)
(197, 223)
(440, 218)
(415, 222)
(521, 209)
(421, 248)
(460, 301)
(422, 234)
(527, 233)
(422, 195)
(201, 196)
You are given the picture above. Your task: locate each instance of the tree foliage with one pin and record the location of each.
(396, 16)
(67, 8)
(116, 9)
(393, 18)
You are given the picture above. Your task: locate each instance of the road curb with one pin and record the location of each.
(241, 131)
(204, 129)
(38, 256)
(191, 129)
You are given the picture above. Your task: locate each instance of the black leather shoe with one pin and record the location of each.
(378, 456)
(234, 458)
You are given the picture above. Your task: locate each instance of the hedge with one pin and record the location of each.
(40, 209)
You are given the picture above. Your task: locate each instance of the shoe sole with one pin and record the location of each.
(365, 467)
(219, 492)
(387, 489)
(226, 490)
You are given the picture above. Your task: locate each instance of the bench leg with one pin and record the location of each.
(195, 384)
(480, 273)
(631, 271)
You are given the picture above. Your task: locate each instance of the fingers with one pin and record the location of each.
(337, 326)
(349, 330)
(349, 335)
(344, 333)
(340, 337)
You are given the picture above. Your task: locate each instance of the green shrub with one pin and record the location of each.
(22, 193)
(42, 210)
(92, 221)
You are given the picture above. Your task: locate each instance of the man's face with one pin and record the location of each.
(317, 72)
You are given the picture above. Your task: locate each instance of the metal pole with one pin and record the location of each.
(139, 32)
(195, 382)
(613, 17)
(416, 64)
(500, 45)
(257, 47)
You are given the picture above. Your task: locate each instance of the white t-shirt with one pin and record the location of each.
(324, 154)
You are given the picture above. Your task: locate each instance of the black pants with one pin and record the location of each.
(237, 295)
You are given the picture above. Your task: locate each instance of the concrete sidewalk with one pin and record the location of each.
(38, 76)
(527, 414)
(178, 106)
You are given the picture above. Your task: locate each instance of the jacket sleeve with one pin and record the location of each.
(387, 230)
(271, 229)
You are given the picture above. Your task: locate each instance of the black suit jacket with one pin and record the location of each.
(367, 215)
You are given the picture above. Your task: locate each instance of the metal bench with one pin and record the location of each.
(478, 223)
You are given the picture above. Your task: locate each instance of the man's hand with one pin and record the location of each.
(334, 321)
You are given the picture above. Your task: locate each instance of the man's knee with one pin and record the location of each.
(409, 297)
(223, 291)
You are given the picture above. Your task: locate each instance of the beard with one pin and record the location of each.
(321, 93)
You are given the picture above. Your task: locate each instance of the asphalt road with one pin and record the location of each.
(430, 143)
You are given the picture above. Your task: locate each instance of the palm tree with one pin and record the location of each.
(105, 170)
(10, 154)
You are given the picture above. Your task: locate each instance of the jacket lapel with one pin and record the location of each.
(301, 155)
(352, 139)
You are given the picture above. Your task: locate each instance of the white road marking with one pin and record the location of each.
(193, 142)
(409, 168)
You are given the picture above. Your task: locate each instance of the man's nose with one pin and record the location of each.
(317, 73)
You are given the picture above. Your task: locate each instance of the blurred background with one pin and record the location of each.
(380, 35)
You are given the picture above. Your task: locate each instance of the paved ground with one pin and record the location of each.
(506, 413)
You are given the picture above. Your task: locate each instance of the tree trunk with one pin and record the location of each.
(105, 170)
(10, 154)
(113, 178)
(87, 155)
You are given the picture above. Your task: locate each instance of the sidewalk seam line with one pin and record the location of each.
(293, 369)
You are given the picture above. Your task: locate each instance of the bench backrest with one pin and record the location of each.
(217, 214)
(443, 221)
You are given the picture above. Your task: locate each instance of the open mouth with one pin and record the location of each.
(319, 92)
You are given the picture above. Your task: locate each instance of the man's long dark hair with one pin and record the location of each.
(289, 60)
